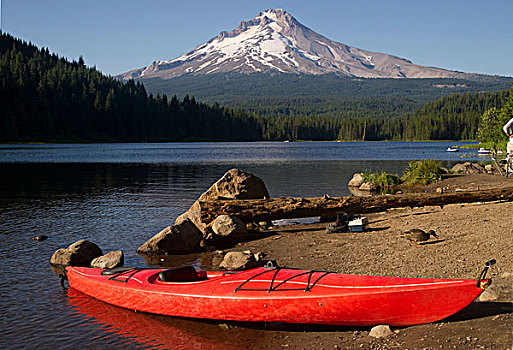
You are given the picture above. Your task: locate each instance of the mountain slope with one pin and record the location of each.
(274, 41)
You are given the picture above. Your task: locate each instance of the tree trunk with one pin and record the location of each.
(255, 210)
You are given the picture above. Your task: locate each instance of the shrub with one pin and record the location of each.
(382, 179)
(422, 172)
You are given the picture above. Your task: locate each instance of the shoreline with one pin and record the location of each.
(469, 235)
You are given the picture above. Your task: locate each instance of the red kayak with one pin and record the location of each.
(280, 295)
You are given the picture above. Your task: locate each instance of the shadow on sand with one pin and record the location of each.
(481, 309)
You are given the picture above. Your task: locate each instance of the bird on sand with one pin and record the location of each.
(417, 235)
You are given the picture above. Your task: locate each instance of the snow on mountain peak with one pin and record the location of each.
(275, 41)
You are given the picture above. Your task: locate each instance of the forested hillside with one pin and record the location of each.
(327, 95)
(47, 98)
(455, 117)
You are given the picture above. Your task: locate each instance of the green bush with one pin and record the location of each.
(382, 179)
(422, 172)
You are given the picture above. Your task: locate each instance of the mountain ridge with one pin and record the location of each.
(274, 41)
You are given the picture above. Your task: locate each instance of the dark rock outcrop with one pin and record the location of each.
(80, 253)
(181, 238)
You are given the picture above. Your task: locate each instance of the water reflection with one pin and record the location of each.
(157, 332)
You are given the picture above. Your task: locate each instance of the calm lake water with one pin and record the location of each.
(118, 196)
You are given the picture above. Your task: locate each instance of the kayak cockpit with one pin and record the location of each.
(187, 274)
(182, 274)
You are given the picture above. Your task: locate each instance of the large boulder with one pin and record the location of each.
(229, 229)
(181, 238)
(80, 253)
(109, 260)
(235, 184)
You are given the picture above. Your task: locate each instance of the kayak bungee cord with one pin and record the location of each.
(273, 288)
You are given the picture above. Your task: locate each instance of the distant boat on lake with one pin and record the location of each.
(451, 149)
(484, 151)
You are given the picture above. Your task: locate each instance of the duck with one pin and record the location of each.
(417, 235)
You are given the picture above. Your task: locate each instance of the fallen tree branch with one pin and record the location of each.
(255, 210)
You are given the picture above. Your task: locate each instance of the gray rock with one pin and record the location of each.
(488, 295)
(235, 184)
(380, 331)
(489, 168)
(229, 228)
(356, 181)
(458, 168)
(468, 168)
(80, 253)
(238, 261)
(369, 186)
(109, 260)
(181, 238)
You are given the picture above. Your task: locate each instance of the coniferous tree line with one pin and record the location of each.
(46, 98)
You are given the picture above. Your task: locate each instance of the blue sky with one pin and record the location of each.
(120, 35)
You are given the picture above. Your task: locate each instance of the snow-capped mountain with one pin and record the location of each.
(274, 41)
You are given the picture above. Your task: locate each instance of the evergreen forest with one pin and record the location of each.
(47, 98)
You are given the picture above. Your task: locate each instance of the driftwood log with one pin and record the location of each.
(255, 210)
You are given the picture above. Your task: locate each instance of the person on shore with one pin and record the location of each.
(508, 129)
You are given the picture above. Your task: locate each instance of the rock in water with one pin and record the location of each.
(109, 260)
(235, 184)
(40, 238)
(380, 331)
(369, 186)
(80, 253)
(229, 229)
(181, 238)
(356, 181)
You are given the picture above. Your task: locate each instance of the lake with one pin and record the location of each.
(118, 196)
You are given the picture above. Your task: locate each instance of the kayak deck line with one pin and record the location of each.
(89, 275)
(352, 287)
